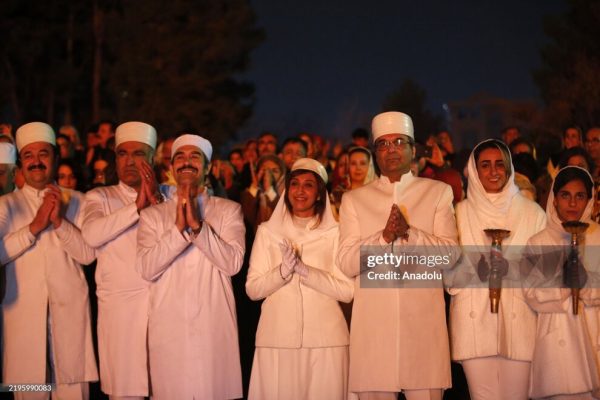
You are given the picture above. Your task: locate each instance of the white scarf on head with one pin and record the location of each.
(553, 222)
(281, 224)
(483, 210)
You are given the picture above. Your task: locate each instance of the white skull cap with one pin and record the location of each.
(193, 140)
(8, 153)
(135, 132)
(392, 122)
(35, 132)
(311, 165)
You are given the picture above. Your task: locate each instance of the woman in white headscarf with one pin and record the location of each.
(302, 338)
(360, 171)
(495, 349)
(565, 359)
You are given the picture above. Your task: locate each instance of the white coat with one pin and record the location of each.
(299, 312)
(302, 337)
(192, 331)
(474, 330)
(44, 276)
(565, 359)
(398, 337)
(110, 221)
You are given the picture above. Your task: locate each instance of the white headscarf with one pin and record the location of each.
(491, 205)
(483, 210)
(553, 222)
(370, 176)
(282, 226)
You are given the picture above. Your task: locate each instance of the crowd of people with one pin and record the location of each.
(185, 244)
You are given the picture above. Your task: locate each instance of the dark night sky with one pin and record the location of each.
(326, 67)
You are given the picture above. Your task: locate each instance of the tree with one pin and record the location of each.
(410, 98)
(37, 67)
(172, 63)
(175, 64)
(569, 80)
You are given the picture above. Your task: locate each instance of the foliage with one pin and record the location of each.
(569, 79)
(174, 64)
(410, 98)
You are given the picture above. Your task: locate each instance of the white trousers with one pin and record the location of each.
(497, 378)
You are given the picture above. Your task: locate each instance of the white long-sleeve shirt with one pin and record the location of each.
(44, 275)
(192, 332)
(110, 221)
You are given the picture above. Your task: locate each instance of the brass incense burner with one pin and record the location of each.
(576, 229)
(495, 280)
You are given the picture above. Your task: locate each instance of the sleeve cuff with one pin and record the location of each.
(64, 231)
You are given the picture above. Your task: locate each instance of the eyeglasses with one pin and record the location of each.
(398, 143)
(593, 141)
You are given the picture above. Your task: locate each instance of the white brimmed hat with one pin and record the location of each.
(35, 132)
(135, 132)
(192, 140)
(392, 122)
(311, 165)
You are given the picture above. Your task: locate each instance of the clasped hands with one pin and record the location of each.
(187, 217)
(396, 225)
(262, 179)
(51, 210)
(148, 193)
(290, 262)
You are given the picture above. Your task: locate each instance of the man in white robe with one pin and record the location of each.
(45, 310)
(189, 247)
(110, 221)
(398, 336)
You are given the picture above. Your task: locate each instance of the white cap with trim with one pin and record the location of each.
(311, 165)
(135, 131)
(35, 132)
(392, 122)
(192, 140)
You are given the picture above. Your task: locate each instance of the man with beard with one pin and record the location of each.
(189, 247)
(46, 310)
(110, 222)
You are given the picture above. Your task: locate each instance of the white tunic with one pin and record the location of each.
(302, 337)
(44, 276)
(192, 332)
(398, 337)
(110, 221)
(474, 330)
(567, 346)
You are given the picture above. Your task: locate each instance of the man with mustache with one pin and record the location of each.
(398, 337)
(110, 222)
(8, 158)
(45, 310)
(189, 247)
